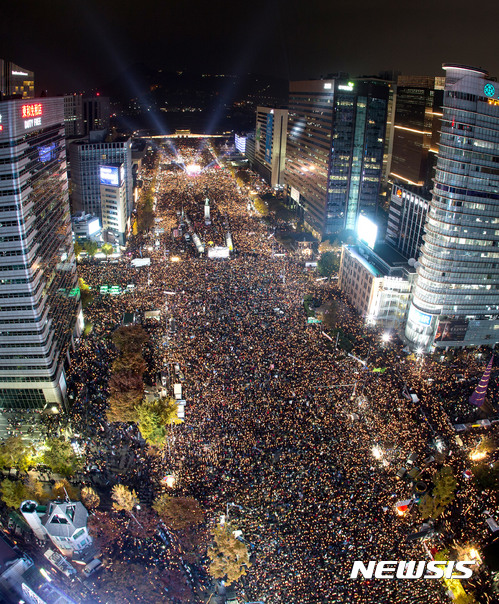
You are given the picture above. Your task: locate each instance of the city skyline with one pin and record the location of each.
(79, 47)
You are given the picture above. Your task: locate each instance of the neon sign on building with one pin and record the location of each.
(32, 110)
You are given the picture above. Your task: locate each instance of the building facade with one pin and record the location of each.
(456, 297)
(270, 144)
(15, 80)
(39, 301)
(73, 115)
(378, 284)
(86, 157)
(84, 114)
(115, 221)
(336, 144)
(418, 113)
(406, 220)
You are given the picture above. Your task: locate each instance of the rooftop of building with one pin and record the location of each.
(63, 518)
(382, 261)
(470, 68)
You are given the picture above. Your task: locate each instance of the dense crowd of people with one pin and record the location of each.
(280, 426)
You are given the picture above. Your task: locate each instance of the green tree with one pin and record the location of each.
(178, 513)
(13, 493)
(85, 293)
(37, 490)
(229, 556)
(130, 338)
(122, 406)
(89, 498)
(154, 417)
(487, 445)
(431, 506)
(123, 498)
(78, 248)
(91, 247)
(62, 488)
(132, 362)
(329, 263)
(60, 457)
(107, 249)
(15, 453)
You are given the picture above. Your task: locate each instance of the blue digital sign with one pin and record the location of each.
(46, 153)
(110, 175)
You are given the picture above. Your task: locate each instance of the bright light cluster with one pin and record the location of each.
(193, 169)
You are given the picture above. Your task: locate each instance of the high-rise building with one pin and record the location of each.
(270, 144)
(84, 114)
(96, 113)
(456, 297)
(39, 300)
(15, 80)
(416, 129)
(406, 220)
(336, 138)
(86, 158)
(73, 115)
(115, 221)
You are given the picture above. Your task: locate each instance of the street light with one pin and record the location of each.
(385, 337)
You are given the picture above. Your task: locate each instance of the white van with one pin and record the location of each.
(92, 567)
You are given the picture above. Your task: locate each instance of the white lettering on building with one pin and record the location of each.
(36, 121)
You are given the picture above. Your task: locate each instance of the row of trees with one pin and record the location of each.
(126, 385)
(145, 212)
(92, 247)
(57, 454)
(14, 492)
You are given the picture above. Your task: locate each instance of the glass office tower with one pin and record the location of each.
(39, 300)
(334, 155)
(456, 299)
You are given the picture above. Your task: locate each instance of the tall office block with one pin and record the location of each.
(270, 144)
(406, 220)
(96, 113)
(336, 138)
(73, 115)
(39, 301)
(86, 158)
(456, 298)
(115, 217)
(15, 80)
(84, 114)
(416, 130)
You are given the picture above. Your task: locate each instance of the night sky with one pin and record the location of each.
(76, 45)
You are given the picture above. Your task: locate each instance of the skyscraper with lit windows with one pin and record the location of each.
(456, 298)
(334, 154)
(39, 299)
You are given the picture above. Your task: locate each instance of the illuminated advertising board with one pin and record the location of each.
(110, 175)
(451, 331)
(93, 226)
(367, 231)
(46, 153)
(416, 316)
(32, 113)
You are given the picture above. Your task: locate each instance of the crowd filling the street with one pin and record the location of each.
(288, 435)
